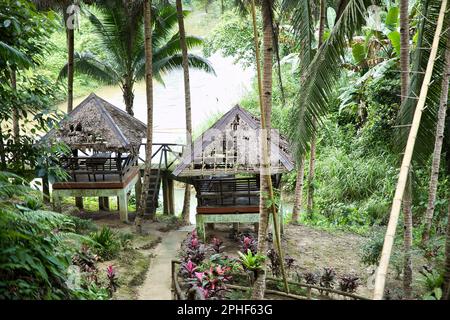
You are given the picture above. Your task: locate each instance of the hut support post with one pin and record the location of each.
(171, 196)
(45, 190)
(165, 186)
(79, 202)
(123, 206)
(103, 203)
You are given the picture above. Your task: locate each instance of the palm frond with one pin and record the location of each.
(427, 15)
(14, 56)
(175, 62)
(88, 64)
(322, 74)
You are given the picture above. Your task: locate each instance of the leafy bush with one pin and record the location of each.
(349, 283)
(249, 243)
(250, 261)
(327, 279)
(83, 225)
(107, 243)
(432, 280)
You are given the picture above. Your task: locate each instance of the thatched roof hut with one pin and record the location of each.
(98, 125)
(231, 146)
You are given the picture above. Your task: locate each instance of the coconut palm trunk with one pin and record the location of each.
(15, 112)
(435, 170)
(312, 153)
(187, 101)
(380, 278)
(70, 60)
(407, 198)
(149, 97)
(266, 98)
(298, 191)
(440, 127)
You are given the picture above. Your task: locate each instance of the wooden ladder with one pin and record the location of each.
(151, 202)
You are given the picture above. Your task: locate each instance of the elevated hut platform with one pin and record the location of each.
(224, 164)
(105, 142)
(119, 189)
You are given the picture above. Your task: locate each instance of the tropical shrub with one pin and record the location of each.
(34, 253)
(349, 283)
(106, 243)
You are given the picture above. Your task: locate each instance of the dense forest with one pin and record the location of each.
(359, 88)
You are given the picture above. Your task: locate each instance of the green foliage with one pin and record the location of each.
(371, 250)
(83, 225)
(233, 37)
(33, 255)
(432, 281)
(107, 243)
(250, 261)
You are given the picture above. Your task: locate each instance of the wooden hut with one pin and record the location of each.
(224, 163)
(105, 145)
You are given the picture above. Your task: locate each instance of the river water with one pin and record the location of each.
(210, 95)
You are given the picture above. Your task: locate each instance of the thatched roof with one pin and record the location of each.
(231, 145)
(96, 124)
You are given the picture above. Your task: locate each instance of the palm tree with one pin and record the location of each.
(408, 154)
(435, 169)
(312, 151)
(187, 100)
(407, 199)
(301, 19)
(149, 95)
(298, 191)
(67, 8)
(121, 37)
(437, 147)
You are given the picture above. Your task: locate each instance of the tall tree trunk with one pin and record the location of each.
(266, 10)
(149, 96)
(15, 111)
(407, 240)
(312, 153)
(128, 95)
(222, 7)
(446, 291)
(70, 68)
(407, 198)
(2, 151)
(440, 127)
(443, 105)
(298, 191)
(187, 102)
(380, 278)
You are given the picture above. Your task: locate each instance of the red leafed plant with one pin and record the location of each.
(112, 279)
(217, 245)
(212, 281)
(187, 269)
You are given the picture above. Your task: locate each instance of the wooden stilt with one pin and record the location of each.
(106, 203)
(171, 196)
(101, 203)
(79, 202)
(165, 186)
(123, 206)
(45, 190)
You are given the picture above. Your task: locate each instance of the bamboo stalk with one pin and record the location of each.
(265, 147)
(406, 162)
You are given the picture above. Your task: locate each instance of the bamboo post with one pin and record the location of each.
(265, 150)
(380, 278)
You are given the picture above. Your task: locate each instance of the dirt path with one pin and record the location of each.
(157, 284)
